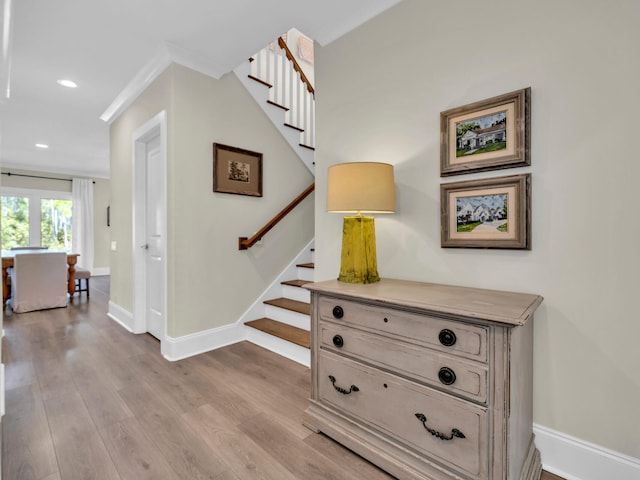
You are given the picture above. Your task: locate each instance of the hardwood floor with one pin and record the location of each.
(87, 400)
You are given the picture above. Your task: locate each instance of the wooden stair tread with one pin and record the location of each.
(288, 304)
(295, 283)
(282, 330)
(270, 102)
(267, 84)
(294, 127)
(306, 265)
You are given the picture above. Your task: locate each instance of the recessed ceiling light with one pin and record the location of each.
(42, 145)
(67, 83)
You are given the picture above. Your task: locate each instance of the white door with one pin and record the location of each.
(150, 229)
(155, 242)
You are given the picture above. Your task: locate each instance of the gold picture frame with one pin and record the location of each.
(488, 135)
(487, 213)
(237, 171)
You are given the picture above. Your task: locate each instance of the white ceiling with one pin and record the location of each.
(102, 45)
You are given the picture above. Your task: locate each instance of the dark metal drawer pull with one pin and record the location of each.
(341, 390)
(338, 341)
(454, 431)
(447, 376)
(338, 312)
(447, 337)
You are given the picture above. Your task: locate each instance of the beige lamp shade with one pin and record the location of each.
(362, 187)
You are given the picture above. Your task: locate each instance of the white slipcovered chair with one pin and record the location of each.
(21, 248)
(39, 281)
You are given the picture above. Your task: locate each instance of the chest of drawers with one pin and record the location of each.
(426, 381)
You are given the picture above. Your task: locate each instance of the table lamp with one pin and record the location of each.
(360, 187)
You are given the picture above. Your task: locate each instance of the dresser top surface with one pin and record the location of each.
(496, 306)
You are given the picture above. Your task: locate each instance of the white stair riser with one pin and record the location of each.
(281, 347)
(289, 317)
(300, 294)
(305, 274)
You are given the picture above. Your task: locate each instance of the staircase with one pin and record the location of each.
(280, 320)
(278, 86)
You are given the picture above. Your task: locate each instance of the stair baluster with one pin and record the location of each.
(290, 89)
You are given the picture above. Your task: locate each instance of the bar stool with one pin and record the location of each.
(80, 275)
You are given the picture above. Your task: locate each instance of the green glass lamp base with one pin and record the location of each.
(358, 260)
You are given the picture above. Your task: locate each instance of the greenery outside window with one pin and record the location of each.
(36, 218)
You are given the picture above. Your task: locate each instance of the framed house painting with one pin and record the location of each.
(487, 213)
(237, 171)
(488, 135)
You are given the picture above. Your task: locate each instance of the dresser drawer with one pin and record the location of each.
(444, 371)
(448, 336)
(433, 424)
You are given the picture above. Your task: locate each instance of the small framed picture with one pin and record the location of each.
(237, 171)
(488, 135)
(488, 213)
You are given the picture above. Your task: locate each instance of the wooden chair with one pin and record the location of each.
(80, 275)
(39, 281)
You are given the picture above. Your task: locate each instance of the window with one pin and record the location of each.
(15, 222)
(36, 218)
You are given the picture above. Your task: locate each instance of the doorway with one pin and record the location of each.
(150, 228)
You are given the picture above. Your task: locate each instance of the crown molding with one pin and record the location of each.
(165, 56)
(138, 84)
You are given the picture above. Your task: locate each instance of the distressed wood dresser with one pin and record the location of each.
(426, 381)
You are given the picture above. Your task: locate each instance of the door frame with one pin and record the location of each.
(157, 126)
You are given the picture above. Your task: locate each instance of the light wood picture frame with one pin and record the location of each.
(488, 135)
(237, 171)
(487, 213)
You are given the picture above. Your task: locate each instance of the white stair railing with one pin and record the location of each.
(290, 90)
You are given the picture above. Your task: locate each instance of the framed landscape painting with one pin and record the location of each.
(488, 213)
(487, 135)
(237, 171)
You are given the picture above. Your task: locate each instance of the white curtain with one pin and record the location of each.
(82, 223)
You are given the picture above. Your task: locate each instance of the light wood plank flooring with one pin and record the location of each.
(87, 400)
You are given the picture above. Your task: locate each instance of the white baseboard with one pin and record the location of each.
(575, 459)
(100, 272)
(121, 316)
(177, 348)
(200, 342)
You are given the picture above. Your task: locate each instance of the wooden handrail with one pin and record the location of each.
(283, 45)
(245, 243)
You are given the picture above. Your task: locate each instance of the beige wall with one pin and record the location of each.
(101, 196)
(157, 97)
(380, 90)
(211, 283)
